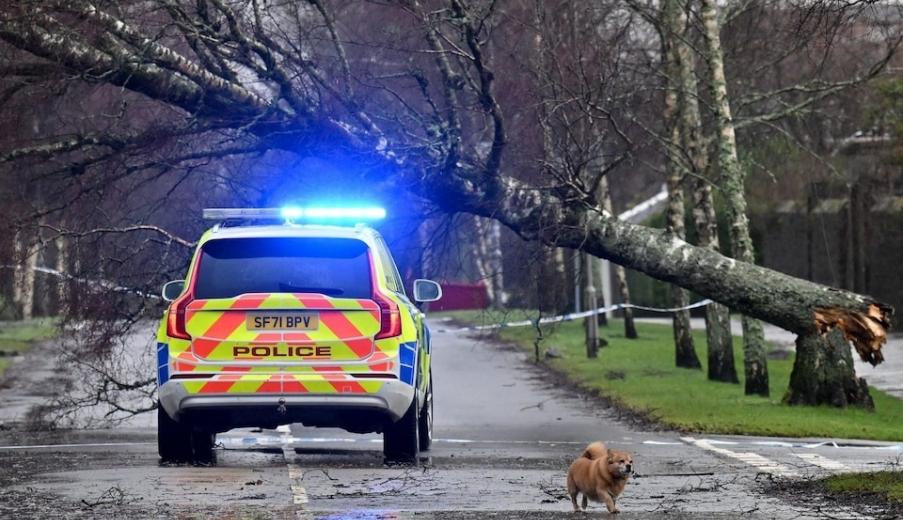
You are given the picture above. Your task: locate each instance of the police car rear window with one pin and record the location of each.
(335, 267)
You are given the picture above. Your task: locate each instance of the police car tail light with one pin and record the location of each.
(175, 323)
(389, 317)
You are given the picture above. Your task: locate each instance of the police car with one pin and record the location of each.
(283, 321)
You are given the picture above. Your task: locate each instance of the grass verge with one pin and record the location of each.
(18, 336)
(640, 376)
(885, 485)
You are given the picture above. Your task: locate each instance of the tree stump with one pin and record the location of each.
(823, 373)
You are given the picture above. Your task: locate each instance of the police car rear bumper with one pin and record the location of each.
(392, 401)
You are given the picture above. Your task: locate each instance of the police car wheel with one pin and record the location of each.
(425, 428)
(173, 438)
(202, 446)
(400, 439)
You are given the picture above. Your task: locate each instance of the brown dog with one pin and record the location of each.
(600, 474)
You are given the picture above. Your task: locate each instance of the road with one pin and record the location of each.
(505, 437)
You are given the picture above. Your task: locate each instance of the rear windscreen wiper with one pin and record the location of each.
(329, 291)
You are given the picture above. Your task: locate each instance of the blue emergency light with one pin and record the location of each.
(291, 214)
(333, 213)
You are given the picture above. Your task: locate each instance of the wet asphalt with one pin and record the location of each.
(505, 435)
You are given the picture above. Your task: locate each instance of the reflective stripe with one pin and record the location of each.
(162, 363)
(282, 384)
(407, 358)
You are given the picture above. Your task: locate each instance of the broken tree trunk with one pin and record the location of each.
(732, 176)
(823, 373)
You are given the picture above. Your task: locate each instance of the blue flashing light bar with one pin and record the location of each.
(315, 213)
(296, 213)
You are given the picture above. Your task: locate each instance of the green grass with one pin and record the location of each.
(640, 375)
(887, 484)
(18, 336)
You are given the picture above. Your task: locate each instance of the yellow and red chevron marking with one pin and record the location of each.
(384, 358)
(347, 326)
(251, 383)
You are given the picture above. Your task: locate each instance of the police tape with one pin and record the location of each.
(576, 316)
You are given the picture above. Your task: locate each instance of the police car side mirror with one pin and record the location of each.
(426, 291)
(172, 290)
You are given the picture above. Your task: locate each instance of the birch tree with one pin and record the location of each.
(685, 350)
(695, 162)
(755, 362)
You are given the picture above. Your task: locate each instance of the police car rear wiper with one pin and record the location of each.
(328, 291)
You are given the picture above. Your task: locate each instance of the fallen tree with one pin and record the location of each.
(234, 79)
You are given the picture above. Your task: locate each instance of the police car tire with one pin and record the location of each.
(173, 438)
(400, 439)
(202, 446)
(425, 428)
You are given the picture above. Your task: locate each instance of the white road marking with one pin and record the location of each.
(86, 445)
(753, 459)
(823, 462)
(295, 476)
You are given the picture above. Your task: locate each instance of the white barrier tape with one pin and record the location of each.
(576, 316)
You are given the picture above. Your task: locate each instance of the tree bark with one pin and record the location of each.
(26, 262)
(719, 340)
(591, 322)
(62, 256)
(684, 349)
(823, 373)
(721, 366)
(755, 363)
(496, 263)
(620, 273)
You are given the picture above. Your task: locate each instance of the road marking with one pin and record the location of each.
(86, 445)
(753, 459)
(295, 476)
(823, 462)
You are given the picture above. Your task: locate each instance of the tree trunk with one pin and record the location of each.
(823, 373)
(481, 252)
(496, 265)
(719, 341)
(685, 351)
(562, 281)
(26, 262)
(629, 325)
(62, 255)
(591, 323)
(732, 176)
(721, 366)
(620, 272)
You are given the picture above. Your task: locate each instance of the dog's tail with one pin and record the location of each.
(594, 451)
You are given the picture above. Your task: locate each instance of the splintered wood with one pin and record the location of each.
(867, 331)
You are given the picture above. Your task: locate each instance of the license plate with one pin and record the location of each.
(283, 321)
